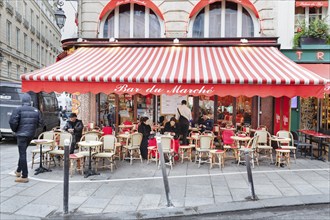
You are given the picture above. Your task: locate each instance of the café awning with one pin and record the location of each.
(184, 70)
(312, 3)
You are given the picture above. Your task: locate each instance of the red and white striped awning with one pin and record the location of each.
(193, 70)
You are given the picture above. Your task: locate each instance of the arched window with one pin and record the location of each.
(223, 19)
(132, 21)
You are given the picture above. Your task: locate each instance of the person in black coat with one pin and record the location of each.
(24, 121)
(75, 127)
(172, 126)
(145, 130)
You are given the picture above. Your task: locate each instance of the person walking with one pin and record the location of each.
(183, 115)
(24, 121)
(75, 127)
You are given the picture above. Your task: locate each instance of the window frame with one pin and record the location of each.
(255, 22)
(131, 31)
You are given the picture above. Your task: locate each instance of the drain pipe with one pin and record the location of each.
(259, 112)
(66, 177)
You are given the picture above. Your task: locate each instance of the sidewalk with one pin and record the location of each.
(137, 191)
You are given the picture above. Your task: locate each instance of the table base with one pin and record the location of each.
(90, 173)
(41, 169)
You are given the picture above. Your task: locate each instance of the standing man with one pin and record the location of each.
(24, 121)
(183, 115)
(75, 127)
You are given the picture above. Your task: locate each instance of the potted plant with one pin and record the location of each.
(317, 32)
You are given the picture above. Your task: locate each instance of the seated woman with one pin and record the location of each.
(172, 126)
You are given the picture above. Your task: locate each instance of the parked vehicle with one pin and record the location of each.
(10, 98)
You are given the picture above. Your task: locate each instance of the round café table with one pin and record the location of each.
(40, 143)
(90, 145)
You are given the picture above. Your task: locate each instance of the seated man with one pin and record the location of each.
(75, 127)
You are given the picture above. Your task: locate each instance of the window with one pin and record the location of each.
(223, 19)
(307, 15)
(25, 10)
(25, 44)
(9, 64)
(25, 70)
(131, 21)
(8, 31)
(38, 52)
(18, 69)
(37, 23)
(18, 36)
(32, 17)
(31, 49)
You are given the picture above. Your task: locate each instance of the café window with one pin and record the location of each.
(305, 15)
(132, 21)
(223, 19)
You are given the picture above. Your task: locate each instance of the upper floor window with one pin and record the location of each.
(305, 15)
(223, 19)
(132, 21)
(8, 32)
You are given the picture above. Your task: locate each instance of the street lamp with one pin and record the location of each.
(59, 14)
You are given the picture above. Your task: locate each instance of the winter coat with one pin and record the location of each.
(25, 119)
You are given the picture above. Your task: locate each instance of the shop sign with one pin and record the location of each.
(167, 89)
(308, 55)
(308, 3)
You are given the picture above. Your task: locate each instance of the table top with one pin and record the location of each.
(224, 128)
(314, 133)
(124, 135)
(125, 126)
(42, 141)
(280, 139)
(90, 143)
(240, 138)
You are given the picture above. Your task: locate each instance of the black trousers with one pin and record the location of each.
(23, 143)
(184, 128)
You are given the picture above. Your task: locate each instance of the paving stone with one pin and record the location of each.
(198, 201)
(38, 210)
(97, 203)
(88, 210)
(288, 191)
(15, 203)
(199, 190)
(126, 200)
(267, 190)
(11, 191)
(37, 189)
(17, 217)
(119, 208)
(307, 189)
(222, 198)
(149, 201)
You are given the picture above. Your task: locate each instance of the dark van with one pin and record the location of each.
(10, 98)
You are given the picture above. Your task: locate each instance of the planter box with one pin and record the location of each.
(310, 42)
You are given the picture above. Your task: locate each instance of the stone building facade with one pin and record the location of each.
(29, 37)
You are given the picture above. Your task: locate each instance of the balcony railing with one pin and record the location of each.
(9, 8)
(18, 17)
(26, 23)
(43, 38)
(47, 42)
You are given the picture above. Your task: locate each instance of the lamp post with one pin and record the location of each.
(59, 14)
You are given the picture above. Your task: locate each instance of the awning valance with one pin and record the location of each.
(311, 3)
(194, 70)
(322, 69)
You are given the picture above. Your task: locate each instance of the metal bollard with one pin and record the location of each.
(66, 176)
(165, 179)
(249, 174)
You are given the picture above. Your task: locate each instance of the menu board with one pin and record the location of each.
(169, 104)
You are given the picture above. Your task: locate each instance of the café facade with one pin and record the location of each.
(134, 77)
